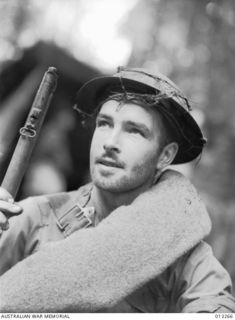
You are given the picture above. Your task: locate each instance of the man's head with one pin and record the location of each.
(135, 96)
(129, 146)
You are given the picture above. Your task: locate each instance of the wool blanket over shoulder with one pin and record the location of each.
(95, 268)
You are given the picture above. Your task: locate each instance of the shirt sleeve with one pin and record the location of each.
(205, 285)
(21, 239)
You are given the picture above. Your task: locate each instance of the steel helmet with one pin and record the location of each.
(168, 98)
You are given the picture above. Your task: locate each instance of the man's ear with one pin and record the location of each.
(167, 155)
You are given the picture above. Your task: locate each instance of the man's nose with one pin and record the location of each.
(112, 143)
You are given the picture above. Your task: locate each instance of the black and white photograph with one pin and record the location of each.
(117, 158)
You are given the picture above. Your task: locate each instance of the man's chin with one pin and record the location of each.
(106, 185)
(110, 184)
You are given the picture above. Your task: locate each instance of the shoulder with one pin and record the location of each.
(196, 256)
(200, 266)
(204, 284)
(180, 183)
(199, 252)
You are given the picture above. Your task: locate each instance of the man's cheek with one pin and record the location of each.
(93, 149)
(97, 144)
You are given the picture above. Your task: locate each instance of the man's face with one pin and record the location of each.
(125, 147)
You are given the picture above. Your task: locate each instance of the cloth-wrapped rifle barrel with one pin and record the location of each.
(29, 133)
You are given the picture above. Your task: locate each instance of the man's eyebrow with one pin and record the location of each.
(104, 116)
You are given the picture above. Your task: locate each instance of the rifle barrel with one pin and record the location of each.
(29, 133)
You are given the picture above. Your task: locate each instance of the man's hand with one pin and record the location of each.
(7, 209)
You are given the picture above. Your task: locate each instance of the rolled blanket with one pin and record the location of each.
(95, 268)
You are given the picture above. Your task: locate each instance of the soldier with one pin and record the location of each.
(134, 235)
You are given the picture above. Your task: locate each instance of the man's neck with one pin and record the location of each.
(105, 201)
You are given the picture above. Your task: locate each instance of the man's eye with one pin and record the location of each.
(102, 123)
(135, 131)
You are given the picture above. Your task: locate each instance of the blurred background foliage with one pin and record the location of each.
(191, 41)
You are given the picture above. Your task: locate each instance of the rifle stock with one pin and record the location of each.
(30, 132)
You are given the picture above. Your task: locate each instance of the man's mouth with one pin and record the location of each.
(109, 163)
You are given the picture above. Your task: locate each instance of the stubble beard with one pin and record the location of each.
(124, 183)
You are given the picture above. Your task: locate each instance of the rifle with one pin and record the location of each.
(29, 133)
